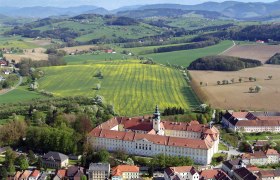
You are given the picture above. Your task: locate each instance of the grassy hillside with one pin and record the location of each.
(184, 58)
(19, 95)
(133, 88)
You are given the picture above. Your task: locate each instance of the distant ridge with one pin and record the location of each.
(232, 9)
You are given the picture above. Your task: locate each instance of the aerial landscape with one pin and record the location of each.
(164, 90)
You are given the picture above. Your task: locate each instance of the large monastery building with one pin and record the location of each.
(149, 136)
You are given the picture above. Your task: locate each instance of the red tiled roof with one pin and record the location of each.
(257, 123)
(117, 171)
(213, 174)
(25, 174)
(137, 124)
(156, 139)
(61, 173)
(271, 152)
(253, 168)
(239, 114)
(17, 175)
(266, 173)
(35, 173)
(255, 155)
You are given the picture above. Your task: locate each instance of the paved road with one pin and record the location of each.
(11, 89)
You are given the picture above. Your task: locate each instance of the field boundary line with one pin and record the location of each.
(234, 44)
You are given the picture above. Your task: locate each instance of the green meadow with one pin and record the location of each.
(186, 57)
(19, 95)
(133, 88)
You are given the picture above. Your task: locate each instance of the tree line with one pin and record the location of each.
(223, 63)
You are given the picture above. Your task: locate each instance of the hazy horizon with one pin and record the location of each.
(108, 4)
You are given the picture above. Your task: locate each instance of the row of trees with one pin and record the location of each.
(173, 111)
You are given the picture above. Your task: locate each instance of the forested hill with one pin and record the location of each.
(223, 63)
(169, 12)
(258, 32)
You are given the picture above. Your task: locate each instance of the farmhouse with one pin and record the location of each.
(252, 121)
(151, 136)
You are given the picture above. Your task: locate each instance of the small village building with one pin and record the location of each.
(60, 174)
(269, 174)
(99, 171)
(125, 172)
(244, 174)
(270, 156)
(34, 175)
(55, 160)
(213, 174)
(181, 172)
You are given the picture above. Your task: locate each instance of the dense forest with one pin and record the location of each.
(257, 32)
(274, 59)
(223, 63)
(57, 124)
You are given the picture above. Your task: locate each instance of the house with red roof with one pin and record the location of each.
(149, 136)
(125, 172)
(34, 175)
(270, 156)
(60, 174)
(212, 174)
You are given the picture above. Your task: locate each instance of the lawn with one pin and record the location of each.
(133, 88)
(19, 95)
(184, 58)
(261, 136)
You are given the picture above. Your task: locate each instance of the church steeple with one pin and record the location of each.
(157, 114)
(156, 120)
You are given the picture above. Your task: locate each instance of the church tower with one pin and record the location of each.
(156, 120)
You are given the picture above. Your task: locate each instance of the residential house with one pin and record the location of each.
(181, 172)
(60, 174)
(25, 175)
(270, 156)
(55, 160)
(269, 174)
(230, 165)
(252, 121)
(3, 63)
(34, 175)
(213, 174)
(99, 171)
(125, 172)
(75, 173)
(244, 174)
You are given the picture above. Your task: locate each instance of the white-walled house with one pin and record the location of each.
(125, 172)
(270, 156)
(151, 136)
(181, 172)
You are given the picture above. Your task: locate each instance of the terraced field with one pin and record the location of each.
(133, 88)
